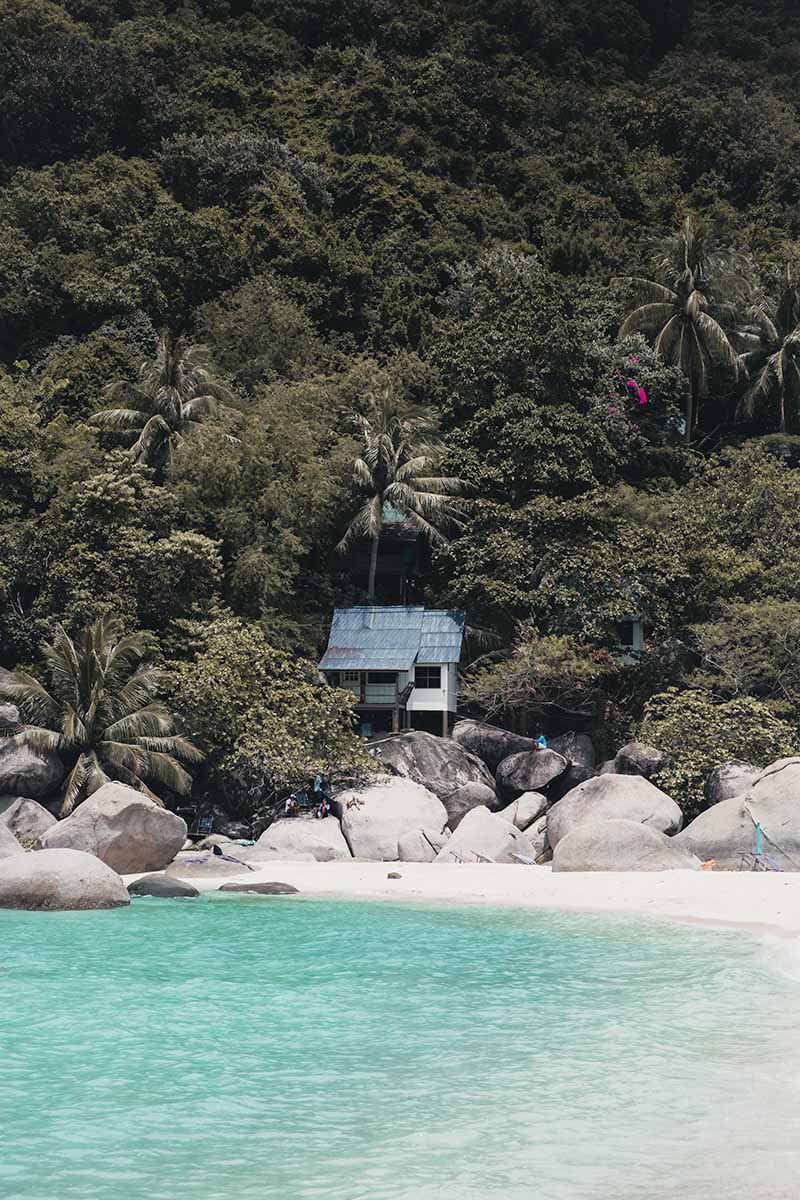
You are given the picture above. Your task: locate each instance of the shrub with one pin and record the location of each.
(698, 735)
(265, 717)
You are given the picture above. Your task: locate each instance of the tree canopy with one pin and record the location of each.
(563, 236)
(102, 715)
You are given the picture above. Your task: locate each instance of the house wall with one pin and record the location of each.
(374, 693)
(441, 699)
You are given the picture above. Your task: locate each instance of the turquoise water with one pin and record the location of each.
(242, 1048)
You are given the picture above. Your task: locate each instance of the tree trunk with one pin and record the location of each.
(373, 564)
(689, 414)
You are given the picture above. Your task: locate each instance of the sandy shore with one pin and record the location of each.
(760, 901)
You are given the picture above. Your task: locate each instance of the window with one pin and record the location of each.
(381, 687)
(351, 680)
(626, 633)
(428, 677)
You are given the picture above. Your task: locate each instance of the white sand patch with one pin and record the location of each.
(767, 901)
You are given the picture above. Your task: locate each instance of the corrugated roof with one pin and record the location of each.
(377, 638)
(442, 634)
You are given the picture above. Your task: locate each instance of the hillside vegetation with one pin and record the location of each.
(551, 249)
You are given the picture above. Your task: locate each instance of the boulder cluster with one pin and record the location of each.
(489, 795)
(484, 795)
(77, 862)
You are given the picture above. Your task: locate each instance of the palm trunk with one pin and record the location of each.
(689, 415)
(373, 564)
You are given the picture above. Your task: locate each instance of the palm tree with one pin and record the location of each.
(101, 714)
(175, 392)
(772, 350)
(396, 469)
(675, 312)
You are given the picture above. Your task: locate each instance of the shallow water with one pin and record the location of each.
(243, 1048)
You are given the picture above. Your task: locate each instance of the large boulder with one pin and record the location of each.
(574, 774)
(726, 831)
(261, 854)
(208, 843)
(8, 843)
(526, 809)
(728, 780)
(26, 819)
(204, 866)
(530, 771)
(483, 834)
(576, 748)
(163, 887)
(467, 797)
(637, 758)
(26, 772)
(490, 743)
(420, 845)
(620, 845)
(321, 837)
(272, 887)
(779, 782)
(611, 797)
(121, 826)
(60, 879)
(376, 816)
(441, 765)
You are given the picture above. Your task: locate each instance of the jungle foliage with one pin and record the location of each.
(229, 225)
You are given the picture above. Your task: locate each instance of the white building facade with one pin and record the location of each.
(400, 663)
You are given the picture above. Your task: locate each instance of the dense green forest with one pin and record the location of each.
(553, 245)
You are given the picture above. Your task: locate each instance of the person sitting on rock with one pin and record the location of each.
(540, 742)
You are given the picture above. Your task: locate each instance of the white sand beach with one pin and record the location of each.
(762, 901)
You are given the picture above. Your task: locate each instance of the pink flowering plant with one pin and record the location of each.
(643, 395)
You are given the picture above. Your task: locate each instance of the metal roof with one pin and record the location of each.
(375, 638)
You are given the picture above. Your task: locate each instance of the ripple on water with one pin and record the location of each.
(239, 1048)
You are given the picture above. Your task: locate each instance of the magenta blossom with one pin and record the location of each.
(632, 384)
(633, 360)
(612, 409)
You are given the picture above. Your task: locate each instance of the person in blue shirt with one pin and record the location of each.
(541, 741)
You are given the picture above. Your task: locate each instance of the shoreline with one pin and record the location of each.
(767, 903)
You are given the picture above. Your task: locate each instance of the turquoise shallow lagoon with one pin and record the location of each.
(241, 1048)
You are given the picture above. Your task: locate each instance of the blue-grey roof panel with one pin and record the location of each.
(341, 658)
(442, 634)
(373, 638)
